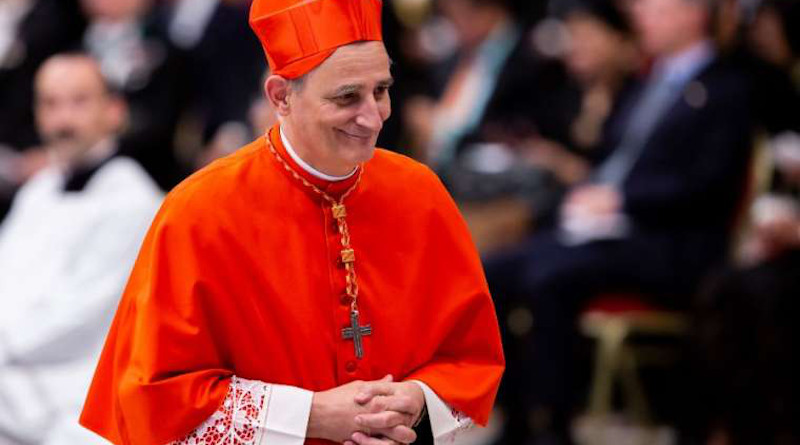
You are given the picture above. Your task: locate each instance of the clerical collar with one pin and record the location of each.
(77, 176)
(305, 165)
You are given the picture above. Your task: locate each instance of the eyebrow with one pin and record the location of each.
(345, 90)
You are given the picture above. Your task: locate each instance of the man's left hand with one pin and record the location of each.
(393, 409)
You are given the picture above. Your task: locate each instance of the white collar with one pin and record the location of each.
(306, 166)
(685, 64)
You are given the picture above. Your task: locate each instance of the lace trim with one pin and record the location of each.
(463, 423)
(239, 421)
(462, 419)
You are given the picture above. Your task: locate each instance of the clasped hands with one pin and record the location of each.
(380, 412)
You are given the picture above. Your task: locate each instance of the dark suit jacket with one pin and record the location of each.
(688, 183)
(225, 69)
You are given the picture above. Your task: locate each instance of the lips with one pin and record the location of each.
(361, 138)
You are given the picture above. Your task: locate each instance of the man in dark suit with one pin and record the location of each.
(653, 218)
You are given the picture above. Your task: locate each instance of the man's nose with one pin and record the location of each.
(63, 116)
(369, 115)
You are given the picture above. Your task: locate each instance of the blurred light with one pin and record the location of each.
(520, 322)
(696, 95)
(551, 38)
(412, 13)
(438, 39)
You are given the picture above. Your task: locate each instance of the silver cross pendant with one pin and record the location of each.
(356, 332)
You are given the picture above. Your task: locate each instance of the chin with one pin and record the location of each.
(71, 153)
(356, 150)
(357, 155)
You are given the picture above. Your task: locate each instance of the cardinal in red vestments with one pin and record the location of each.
(308, 288)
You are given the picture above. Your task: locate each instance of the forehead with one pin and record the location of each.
(669, 4)
(359, 63)
(68, 75)
(115, 7)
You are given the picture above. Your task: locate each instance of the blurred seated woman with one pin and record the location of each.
(601, 58)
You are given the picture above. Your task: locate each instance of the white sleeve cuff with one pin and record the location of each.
(289, 408)
(446, 423)
(257, 413)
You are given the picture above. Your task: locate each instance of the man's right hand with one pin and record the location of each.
(333, 415)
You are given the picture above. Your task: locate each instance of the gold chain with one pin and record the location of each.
(339, 213)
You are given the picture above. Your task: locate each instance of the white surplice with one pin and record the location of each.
(64, 260)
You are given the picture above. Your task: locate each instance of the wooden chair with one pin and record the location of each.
(611, 320)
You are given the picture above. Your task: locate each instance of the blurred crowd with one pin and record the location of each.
(646, 148)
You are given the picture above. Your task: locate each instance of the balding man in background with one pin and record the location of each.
(65, 250)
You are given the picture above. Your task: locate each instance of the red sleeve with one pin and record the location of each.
(160, 374)
(468, 362)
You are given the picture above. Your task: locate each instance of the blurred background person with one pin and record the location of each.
(603, 60)
(129, 38)
(30, 31)
(748, 337)
(489, 86)
(773, 42)
(190, 71)
(745, 332)
(759, 37)
(223, 66)
(653, 217)
(66, 249)
(745, 339)
(492, 83)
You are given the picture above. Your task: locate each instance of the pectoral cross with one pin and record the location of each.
(355, 332)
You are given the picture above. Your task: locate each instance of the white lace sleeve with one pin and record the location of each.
(239, 421)
(256, 413)
(447, 424)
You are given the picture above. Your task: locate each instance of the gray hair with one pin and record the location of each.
(298, 83)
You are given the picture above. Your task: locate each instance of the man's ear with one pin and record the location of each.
(277, 90)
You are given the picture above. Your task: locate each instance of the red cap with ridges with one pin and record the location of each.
(298, 35)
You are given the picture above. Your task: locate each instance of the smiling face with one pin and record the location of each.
(333, 117)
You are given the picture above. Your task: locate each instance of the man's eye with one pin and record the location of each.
(346, 99)
(381, 91)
